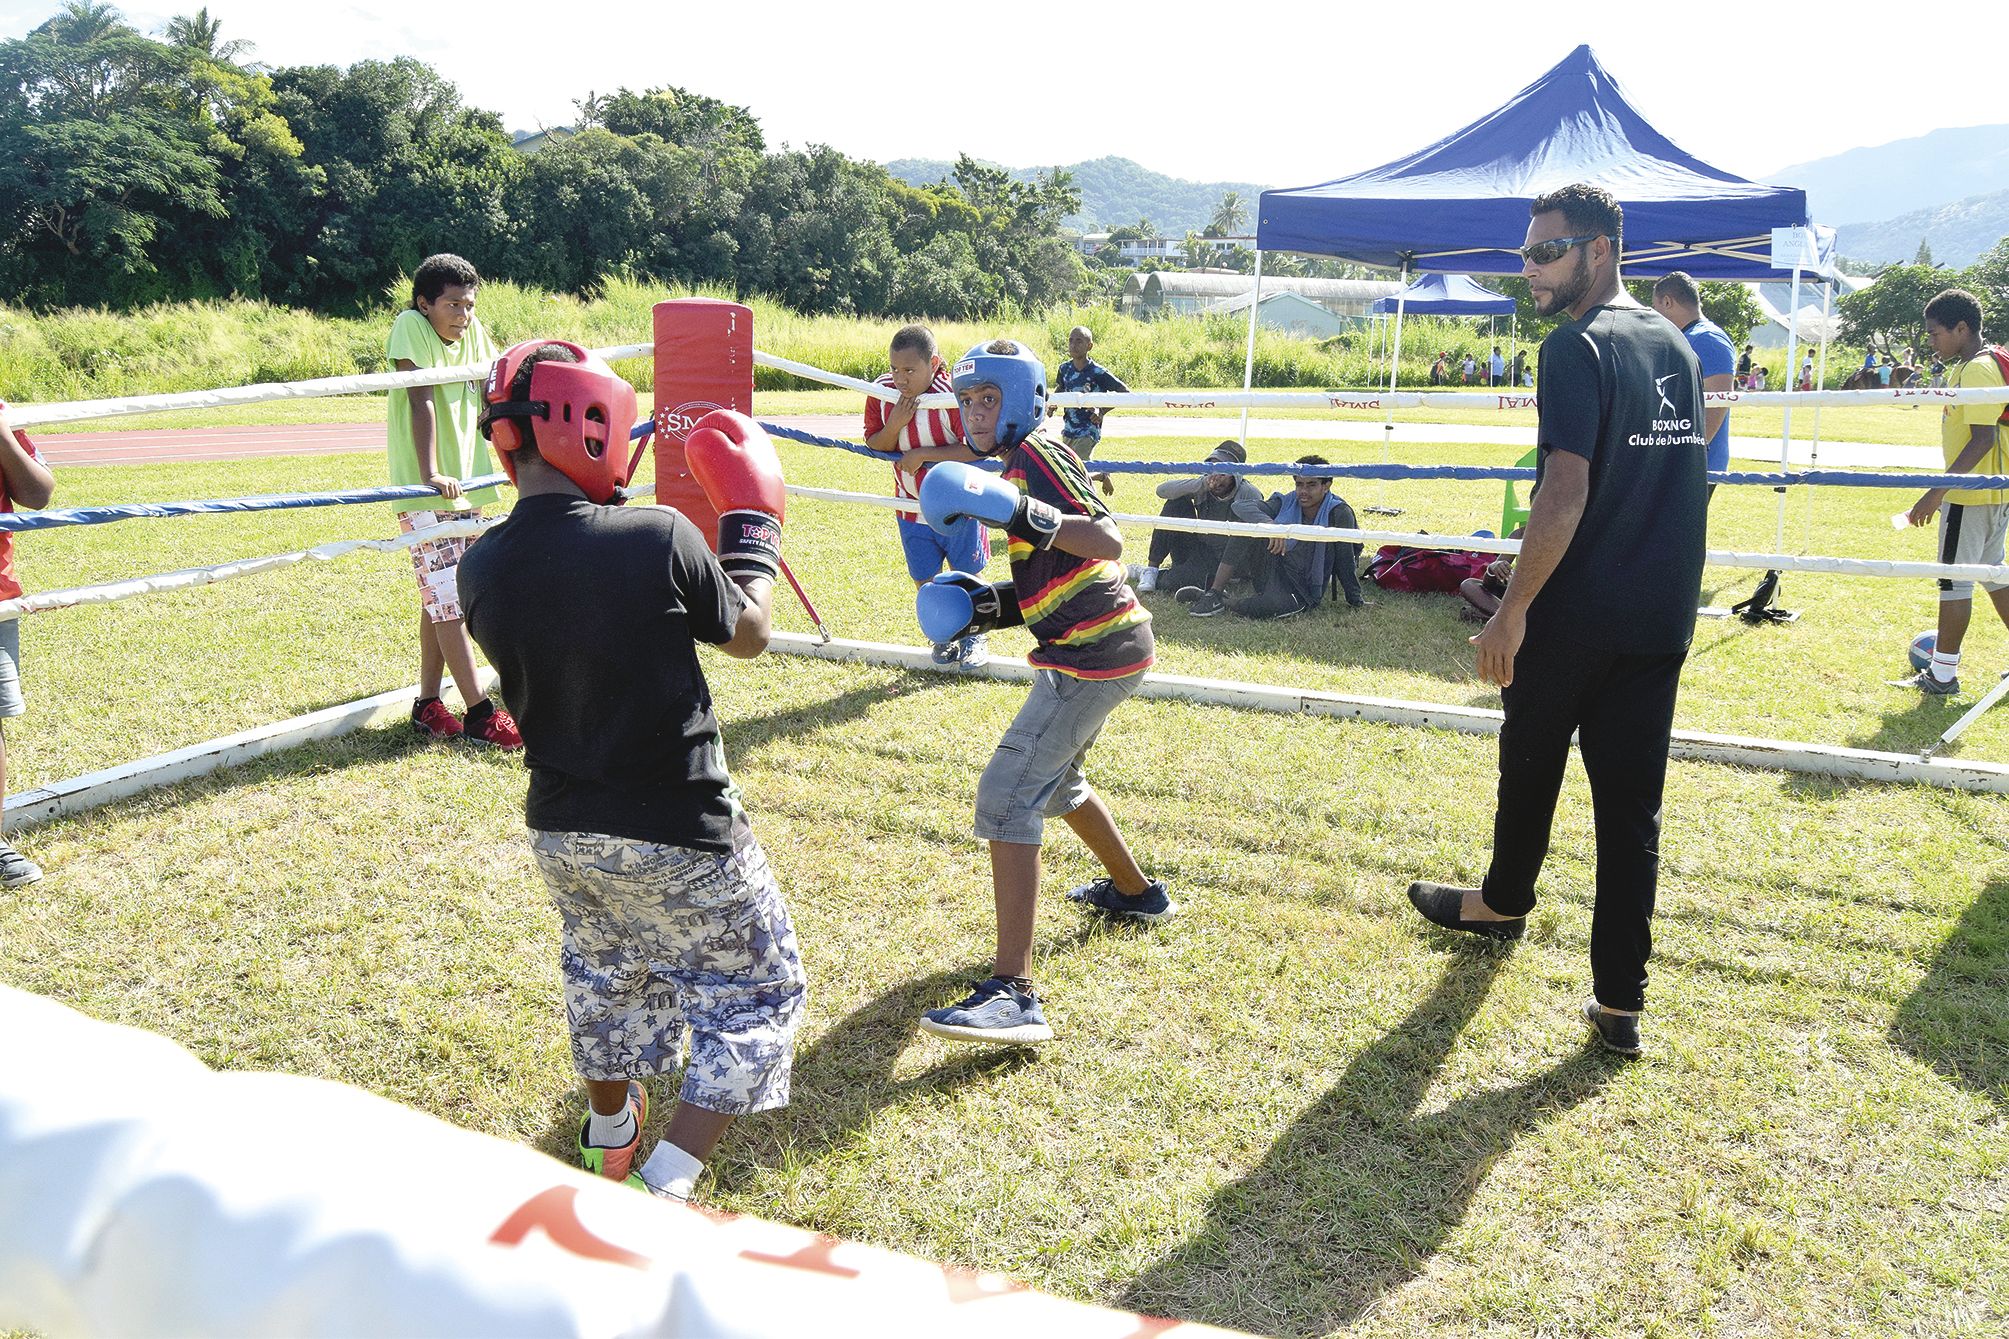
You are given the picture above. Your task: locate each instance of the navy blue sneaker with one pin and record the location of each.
(1152, 905)
(994, 1013)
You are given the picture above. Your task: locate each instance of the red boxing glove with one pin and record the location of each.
(734, 462)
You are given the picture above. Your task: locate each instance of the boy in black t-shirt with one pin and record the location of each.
(591, 615)
(1595, 623)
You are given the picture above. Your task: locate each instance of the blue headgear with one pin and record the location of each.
(1021, 380)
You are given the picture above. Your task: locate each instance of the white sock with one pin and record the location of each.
(610, 1131)
(1944, 664)
(671, 1171)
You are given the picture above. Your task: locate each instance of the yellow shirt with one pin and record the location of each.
(1957, 422)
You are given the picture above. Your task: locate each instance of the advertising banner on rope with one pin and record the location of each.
(182, 1201)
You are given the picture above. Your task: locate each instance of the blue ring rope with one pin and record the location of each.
(51, 520)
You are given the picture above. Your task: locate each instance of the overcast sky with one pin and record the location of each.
(1281, 95)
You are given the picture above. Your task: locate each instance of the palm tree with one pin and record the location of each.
(81, 22)
(198, 33)
(1231, 215)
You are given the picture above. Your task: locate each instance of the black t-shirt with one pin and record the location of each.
(1622, 389)
(591, 615)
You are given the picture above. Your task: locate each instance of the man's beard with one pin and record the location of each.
(1567, 294)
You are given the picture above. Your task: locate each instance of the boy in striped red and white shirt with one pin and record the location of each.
(899, 428)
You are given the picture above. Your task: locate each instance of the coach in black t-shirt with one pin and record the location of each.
(1593, 629)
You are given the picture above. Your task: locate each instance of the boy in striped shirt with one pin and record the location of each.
(1094, 644)
(899, 428)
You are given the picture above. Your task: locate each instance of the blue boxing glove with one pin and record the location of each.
(953, 490)
(955, 604)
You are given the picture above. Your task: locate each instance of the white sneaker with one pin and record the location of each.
(1142, 577)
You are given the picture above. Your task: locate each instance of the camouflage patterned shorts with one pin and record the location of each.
(660, 939)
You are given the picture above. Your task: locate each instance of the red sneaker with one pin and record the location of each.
(431, 718)
(495, 726)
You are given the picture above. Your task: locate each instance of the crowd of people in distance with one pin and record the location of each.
(1495, 369)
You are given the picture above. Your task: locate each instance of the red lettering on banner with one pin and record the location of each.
(1517, 401)
(814, 1257)
(1189, 404)
(555, 1211)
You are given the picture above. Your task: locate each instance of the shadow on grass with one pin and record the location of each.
(746, 736)
(1354, 1198)
(846, 1077)
(1955, 1020)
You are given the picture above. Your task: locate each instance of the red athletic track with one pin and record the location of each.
(177, 445)
(162, 445)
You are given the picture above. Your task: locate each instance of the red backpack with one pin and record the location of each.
(2001, 357)
(1425, 571)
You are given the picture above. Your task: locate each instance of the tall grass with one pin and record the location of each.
(83, 353)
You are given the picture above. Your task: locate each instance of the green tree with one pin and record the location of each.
(108, 153)
(1891, 311)
(408, 171)
(202, 35)
(1230, 216)
(1924, 254)
(1988, 279)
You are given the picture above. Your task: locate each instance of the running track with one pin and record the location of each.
(177, 445)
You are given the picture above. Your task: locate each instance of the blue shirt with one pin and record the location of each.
(1094, 377)
(1718, 357)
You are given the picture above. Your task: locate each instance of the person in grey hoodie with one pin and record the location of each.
(1196, 559)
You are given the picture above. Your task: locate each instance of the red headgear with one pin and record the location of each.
(584, 411)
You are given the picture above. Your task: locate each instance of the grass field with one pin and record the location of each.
(1293, 1109)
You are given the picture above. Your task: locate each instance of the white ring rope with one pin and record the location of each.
(1323, 534)
(112, 591)
(73, 411)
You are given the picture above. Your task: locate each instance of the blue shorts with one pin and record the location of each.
(966, 548)
(11, 702)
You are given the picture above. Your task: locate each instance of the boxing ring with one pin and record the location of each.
(159, 1239)
(704, 358)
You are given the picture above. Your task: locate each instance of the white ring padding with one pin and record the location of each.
(73, 411)
(1738, 750)
(1323, 534)
(112, 591)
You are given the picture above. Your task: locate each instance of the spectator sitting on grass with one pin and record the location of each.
(1289, 575)
(1208, 497)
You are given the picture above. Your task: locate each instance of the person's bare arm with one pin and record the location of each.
(420, 401)
(1552, 524)
(756, 618)
(886, 441)
(1089, 537)
(922, 456)
(29, 481)
(1714, 414)
(1980, 441)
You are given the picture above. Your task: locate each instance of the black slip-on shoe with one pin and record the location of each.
(1618, 1032)
(1443, 905)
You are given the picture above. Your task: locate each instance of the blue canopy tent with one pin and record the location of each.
(1442, 295)
(1446, 295)
(1461, 205)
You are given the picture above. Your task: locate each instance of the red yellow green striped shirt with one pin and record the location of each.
(1086, 618)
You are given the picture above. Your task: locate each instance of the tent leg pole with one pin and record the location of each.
(1394, 362)
(1820, 379)
(1249, 359)
(1759, 607)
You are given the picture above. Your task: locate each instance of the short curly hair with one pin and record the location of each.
(1585, 209)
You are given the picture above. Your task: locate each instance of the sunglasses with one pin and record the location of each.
(1553, 250)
